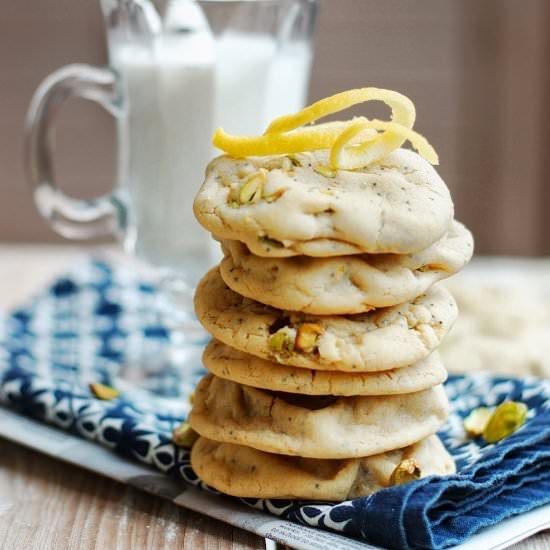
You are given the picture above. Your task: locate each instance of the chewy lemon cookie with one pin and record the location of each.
(314, 426)
(329, 387)
(231, 364)
(245, 472)
(398, 205)
(344, 284)
(383, 339)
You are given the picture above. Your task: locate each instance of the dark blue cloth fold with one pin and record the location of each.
(439, 512)
(101, 324)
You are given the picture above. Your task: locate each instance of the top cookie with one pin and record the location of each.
(282, 206)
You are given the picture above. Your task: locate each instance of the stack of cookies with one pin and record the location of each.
(325, 382)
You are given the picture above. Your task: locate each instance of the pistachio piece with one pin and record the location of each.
(476, 421)
(104, 392)
(307, 336)
(184, 435)
(252, 188)
(294, 160)
(283, 339)
(505, 420)
(406, 471)
(276, 195)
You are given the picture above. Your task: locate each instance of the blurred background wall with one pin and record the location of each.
(478, 71)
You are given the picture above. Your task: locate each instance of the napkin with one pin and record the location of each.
(102, 323)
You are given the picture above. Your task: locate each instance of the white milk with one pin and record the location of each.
(178, 91)
(169, 127)
(255, 82)
(288, 81)
(243, 67)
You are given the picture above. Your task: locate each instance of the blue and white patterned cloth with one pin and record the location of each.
(102, 324)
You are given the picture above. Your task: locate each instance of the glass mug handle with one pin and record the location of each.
(70, 217)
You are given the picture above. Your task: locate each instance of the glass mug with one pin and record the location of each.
(176, 71)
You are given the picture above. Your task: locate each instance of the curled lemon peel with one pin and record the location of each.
(403, 111)
(314, 138)
(345, 154)
(402, 108)
(353, 144)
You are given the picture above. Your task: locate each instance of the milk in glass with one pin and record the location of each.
(180, 87)
(170, 93)
(256, 81)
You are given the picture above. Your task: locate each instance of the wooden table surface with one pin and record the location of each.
(48, 504)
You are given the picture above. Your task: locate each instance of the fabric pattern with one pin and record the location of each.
(103, 324)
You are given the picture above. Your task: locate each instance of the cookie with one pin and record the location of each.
(314, 426)
(383, 339)
(280, 207)
(231, 364)
(501, 330)
(347, 284)
(245, 472)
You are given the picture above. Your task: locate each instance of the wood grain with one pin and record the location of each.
(46, 504)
